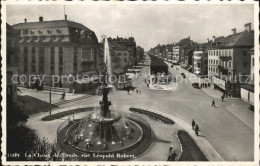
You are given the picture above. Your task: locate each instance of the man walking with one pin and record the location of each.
(213, 103)
(193, 124)
(170, 149)
(197, 129)
(222, 97)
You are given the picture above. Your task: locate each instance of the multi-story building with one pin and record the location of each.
(169, 52)
(213, 57)
(12, 62)
(200, 58)
(234, 60)
(122, 54)
(175, 52)
(247, 89)
(181, 49)
(188, 52)
(59, 47)
(139, 53)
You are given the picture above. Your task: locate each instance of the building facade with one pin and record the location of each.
(122, 53)
(12, 62)
(213, 57)
(139, 53)
(59, 48)
(234, 60)
(175, 53)
(169, 52)
(181, 49)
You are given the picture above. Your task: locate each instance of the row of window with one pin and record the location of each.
(26, 31)
(213, 61)
(41, 50)
(213, 69)
(41, 60)
(224, 52)
(220, 52)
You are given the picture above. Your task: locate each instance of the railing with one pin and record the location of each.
(225, 58)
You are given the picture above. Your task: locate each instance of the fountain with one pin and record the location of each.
(105, 131)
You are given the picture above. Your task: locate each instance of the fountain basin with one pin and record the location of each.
(137, 140)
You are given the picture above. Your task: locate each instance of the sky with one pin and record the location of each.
(149, 24)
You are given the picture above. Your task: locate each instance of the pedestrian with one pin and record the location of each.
(205, 85)
(148, 85)
(173, 155)
(144, 80)
(128, 91)
(136, 91)
(170, 149)
(222, 97)
(193, 123)
(197, 129)
(213, 103)
(139, 91)
(169, 157)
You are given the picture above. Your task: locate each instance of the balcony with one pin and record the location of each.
(222, 68)
(225, 58)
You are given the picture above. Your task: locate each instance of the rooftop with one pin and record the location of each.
(183, 42)
(50, 24)
(155, 61)
(242, 39)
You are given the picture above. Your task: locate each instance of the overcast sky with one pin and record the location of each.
(148, 24)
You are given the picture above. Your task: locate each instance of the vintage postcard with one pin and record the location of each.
(130, 83)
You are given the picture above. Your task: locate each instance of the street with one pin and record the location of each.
(230, 134)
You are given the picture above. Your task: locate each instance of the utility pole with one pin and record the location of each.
(50, 95)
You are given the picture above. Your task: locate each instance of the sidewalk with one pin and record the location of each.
(31, 99)
(210, 91)
(237, 107)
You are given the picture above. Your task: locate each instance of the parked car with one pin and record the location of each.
(196, 85)
(184, 76)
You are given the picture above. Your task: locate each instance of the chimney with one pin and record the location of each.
(234, 30)
(65, 16)
(248, 27)
(188, 37)
(40, 19)
(213, 38)
(25, 20)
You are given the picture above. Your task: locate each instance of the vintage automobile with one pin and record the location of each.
(196, 85)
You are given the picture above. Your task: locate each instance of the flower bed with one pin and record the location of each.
(153, 115)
